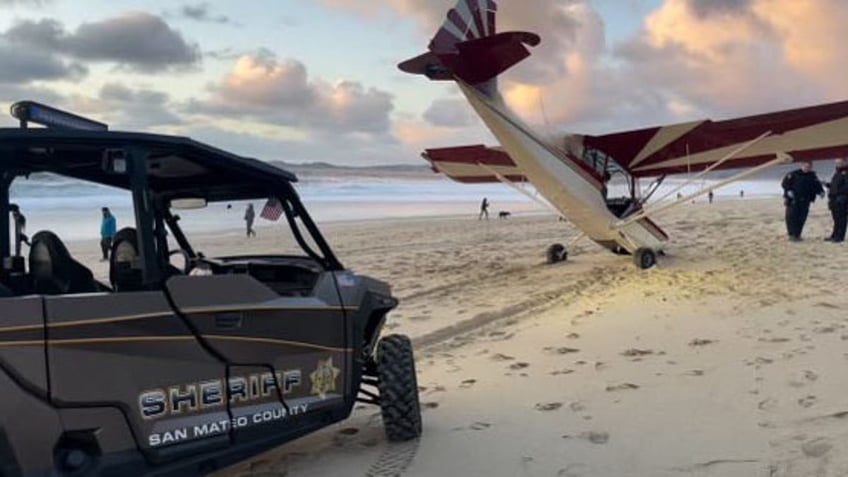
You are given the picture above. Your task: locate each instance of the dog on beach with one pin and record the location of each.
(503, 214)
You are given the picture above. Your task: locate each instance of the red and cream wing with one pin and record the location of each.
(812, 133)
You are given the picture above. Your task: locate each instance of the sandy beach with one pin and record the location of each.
(728, 359)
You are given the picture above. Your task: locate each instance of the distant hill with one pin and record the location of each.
(322, 170)
(315, 170)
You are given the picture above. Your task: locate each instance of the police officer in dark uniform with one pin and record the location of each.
(838, 201)
(800, 188)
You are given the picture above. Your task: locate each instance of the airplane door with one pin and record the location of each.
(287, 356)
(130, 352)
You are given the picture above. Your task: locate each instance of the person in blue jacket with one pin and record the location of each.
(108, 228)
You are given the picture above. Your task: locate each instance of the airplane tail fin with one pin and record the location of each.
(467, 48)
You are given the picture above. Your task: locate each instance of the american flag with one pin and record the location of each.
(273, 209)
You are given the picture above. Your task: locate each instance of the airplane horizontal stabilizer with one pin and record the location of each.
(474, 164)
(474, 61)
(468, 48)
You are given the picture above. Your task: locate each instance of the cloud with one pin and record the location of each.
(690, 59)
(34, 3)
(136, 40)
(201, 12)
(742, 57)
(136, 108)
(352, 150)
(449, 112)
(552, 17)
(22, 66)
(263, 87)
(705, 8)
(124, 108)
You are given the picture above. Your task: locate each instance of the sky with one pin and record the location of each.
(316, 80)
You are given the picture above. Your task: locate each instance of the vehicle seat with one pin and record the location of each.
(54, 271)
(125, 271)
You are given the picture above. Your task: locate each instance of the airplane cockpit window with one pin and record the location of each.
(600, 162)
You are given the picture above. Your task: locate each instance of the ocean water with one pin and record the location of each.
(71, 208)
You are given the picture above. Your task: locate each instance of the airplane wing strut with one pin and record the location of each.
(718, 163)
(781, 158)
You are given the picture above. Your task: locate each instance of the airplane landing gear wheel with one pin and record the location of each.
(556, 253)
(645, 258)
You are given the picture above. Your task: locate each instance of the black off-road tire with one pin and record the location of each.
(645, 258)
(398, 388)
(556, 253)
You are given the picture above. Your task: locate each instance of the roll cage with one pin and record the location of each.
(155, 169)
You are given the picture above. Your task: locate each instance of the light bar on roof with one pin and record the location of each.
(32, 112)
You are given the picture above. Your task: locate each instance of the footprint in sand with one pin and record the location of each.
(766, 404)
(501, 357)
(622, 387)
(595, 437)
(519, 365)
(561, 372)
(759, 361)
(467, 383)
(344, 436)
(816, 447)
(572, 470)
(701, 342)
(801, 381)
(573, 336)
(694, 372)
(807, 401)
(550, 406)
(563, 350)
(479, 426)
(774, 340)
(635, 352)
(430, 405)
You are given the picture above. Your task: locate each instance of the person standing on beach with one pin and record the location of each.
(249, 216)
(800, 188)
(711, 195)
(838, 201)
(484, 209)
(108, 228)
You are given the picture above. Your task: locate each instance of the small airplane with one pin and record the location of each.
(572, 171)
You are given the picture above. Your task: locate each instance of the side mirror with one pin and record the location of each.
(188, 203)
